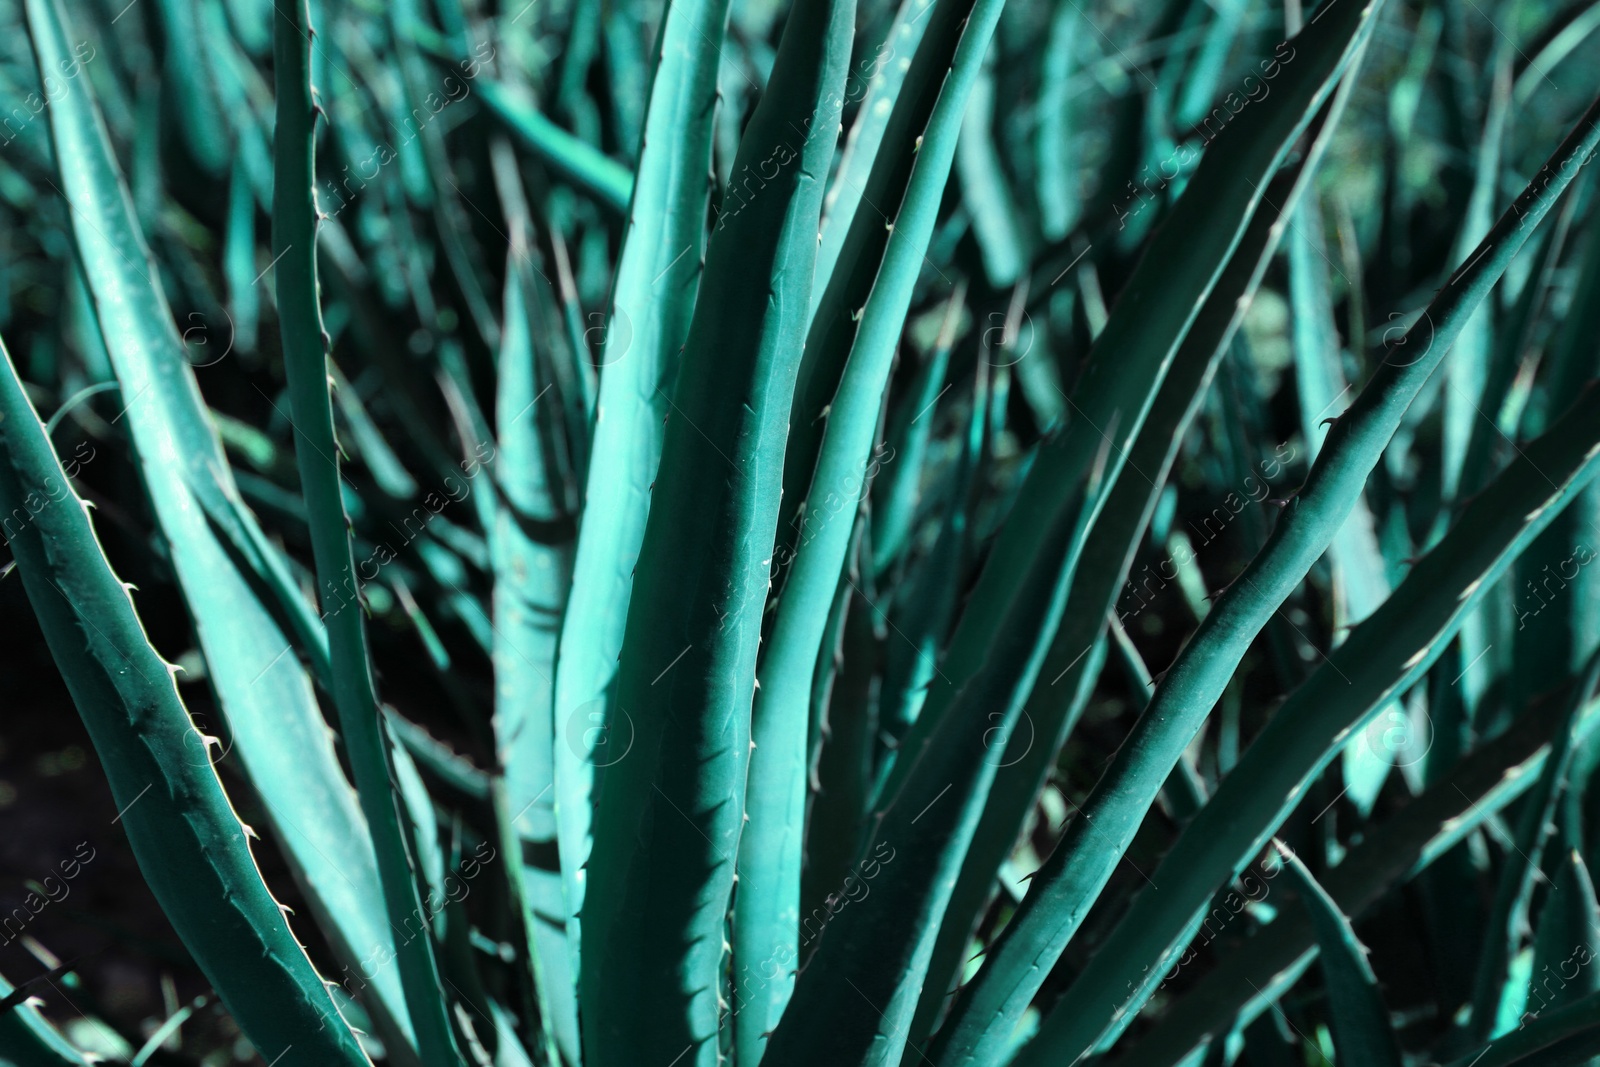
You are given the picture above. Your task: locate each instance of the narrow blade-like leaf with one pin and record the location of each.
(670, 810)
(294, 240)
(190, 845)
(1362, 1032)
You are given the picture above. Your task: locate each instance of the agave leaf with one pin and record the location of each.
(510, 1052)
(1567, 942)
(627, 32)
(190, 845)
(239, 258)
(280, 736)
(929, 595)
(897, 490)
(984, 191)
(848, 732)
(1556, 596)
(1462, 402)
(533, 567)
(569, 156)
(1185, 790)
(839, 308)
(1362, 1032)
(460, 779)
(1158, 305)
(1517, 351)
(367, 441)
(1058, 196)
(1245, 984)
(188, 88)
(890, 64)
(652, 299)
(1565, 1037)
(1360, 580)
(1513, 894)
(1054, 708)
(441, 194)
(669, 814)
(767, 913)
(1076, 872)
(829, 657)
(27, 1040)
(1467, 372)
(1567, 30)
(1383, 656)
(548, 988)
(866, 976)
(1197, 93)
(367, 744)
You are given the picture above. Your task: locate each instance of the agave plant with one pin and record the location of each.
(662, 513)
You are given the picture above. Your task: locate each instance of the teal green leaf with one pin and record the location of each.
(878, 87)
(652, 299)
(1073, 877)
(848, 730)
(987, 1013)
(1565, 1037)
(855, 1000)
(190, 845)
(1383, 656)
(367, 743)
(1555, 594)
(1059, 199)
(1246, 983)
(670, 811)
(927, 599)
(897, 491)
(187, 87)
(845, 292)
(280, 736)
(1359, 578)
(1567, 943)
(1158, 305)
(532, 548)
(767, 912)
(568, 155)
(27, 1040)
(1508, 919)
(984, 190)
(1362, 1031)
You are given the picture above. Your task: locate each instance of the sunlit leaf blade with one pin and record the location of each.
(367, 744)
(767, 913)
(190, 845)
(670, 810)
(1382, 656)
(280, 736)
(652, 299)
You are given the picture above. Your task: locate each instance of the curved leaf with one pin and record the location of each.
(670, 811)
(280, 736)
(367, 744)
(1383, 656)
(190, 845)
(767, 911)
(652, 300)
(1362, 1032)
